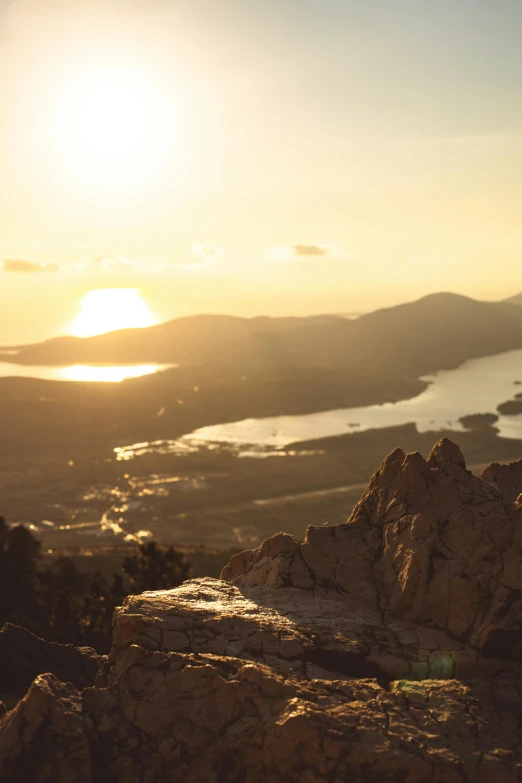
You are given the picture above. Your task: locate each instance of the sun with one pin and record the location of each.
(112, 125)
(109, 116)
(107, 309)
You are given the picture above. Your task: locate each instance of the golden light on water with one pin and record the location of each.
(82, 372)
(109, 374)
(107, 309)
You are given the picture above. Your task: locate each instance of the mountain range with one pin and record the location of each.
(439, 331)
(235, 368)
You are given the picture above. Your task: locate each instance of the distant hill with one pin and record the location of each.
(436, 332)
(439, 331)
(238, 368)
(516, 299)
(198, 339)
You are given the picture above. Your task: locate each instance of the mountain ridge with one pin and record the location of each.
(438, 331)
(516, 299)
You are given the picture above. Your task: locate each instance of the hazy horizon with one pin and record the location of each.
(131, 308)
(243, 157)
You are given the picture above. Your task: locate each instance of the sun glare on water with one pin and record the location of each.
(107, 309)
(80, 372)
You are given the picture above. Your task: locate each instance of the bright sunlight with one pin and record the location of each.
(108, 374)
(106, 309)
(112, 125)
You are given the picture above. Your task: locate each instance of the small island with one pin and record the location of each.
(511, 407)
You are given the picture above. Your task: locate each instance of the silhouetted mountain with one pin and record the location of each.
(196, 340)
(436, 332)
(516, 299)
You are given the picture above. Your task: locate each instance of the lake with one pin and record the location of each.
(477, 386)
(81, 372)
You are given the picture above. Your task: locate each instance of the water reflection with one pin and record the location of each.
(81, 372)
(477, 386)
(185, 445)
(114, 374)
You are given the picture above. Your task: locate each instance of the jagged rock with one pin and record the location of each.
(508, 478)
(428, 542)
(46, 737)
(384, 649)
(167, 716)
(23, 656)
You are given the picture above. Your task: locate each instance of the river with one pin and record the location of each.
(477, 386)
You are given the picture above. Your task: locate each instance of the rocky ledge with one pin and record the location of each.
(388, 648)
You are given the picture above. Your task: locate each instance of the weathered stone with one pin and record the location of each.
(45, 738)
(385, 649)
(508, 478)
(217, 719)
(428, 542)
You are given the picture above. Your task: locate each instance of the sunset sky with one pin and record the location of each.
(256, 156)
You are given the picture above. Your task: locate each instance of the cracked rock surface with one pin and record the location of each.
(428, 542)
(384, 649)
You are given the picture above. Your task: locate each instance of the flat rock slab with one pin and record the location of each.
(294, 632)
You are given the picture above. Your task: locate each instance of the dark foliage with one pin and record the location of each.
(66, 605)
(155, 568)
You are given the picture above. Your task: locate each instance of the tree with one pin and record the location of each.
(66, 605)
(62, 587)
(19, 554)
(96, 614)
(155, 568)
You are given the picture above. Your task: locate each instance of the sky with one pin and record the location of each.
(256, 156)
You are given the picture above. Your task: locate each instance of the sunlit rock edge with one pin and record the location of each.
(386, 648)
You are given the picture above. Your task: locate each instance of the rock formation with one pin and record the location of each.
(428, 542)
(388, 648)
(23, 656)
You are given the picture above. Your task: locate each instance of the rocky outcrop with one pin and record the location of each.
(47, 737)
(508, 478)
(383, 649)
(428, 542)
(23, 656)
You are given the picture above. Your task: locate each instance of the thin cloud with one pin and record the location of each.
(28, 267)
(310, 250)
(207, 251)
(299, 250)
